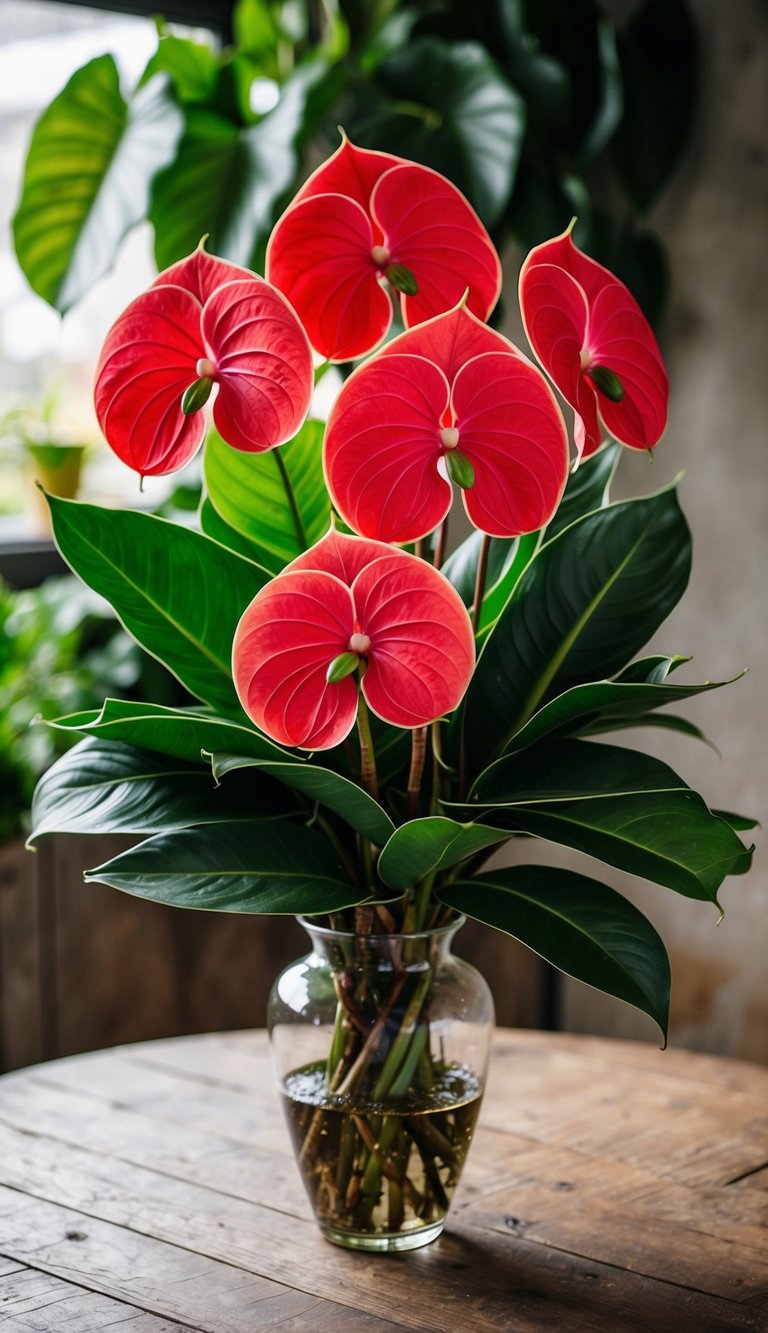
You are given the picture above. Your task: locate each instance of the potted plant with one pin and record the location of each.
(376, 718)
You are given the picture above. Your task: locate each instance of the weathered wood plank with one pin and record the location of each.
(161, 1279)
(288, 1249)
(32, 1301)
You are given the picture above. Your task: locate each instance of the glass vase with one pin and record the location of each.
(380, 1044)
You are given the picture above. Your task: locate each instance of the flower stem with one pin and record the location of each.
(367, 757)
(482, 574)
(418, 755)
(440, 542)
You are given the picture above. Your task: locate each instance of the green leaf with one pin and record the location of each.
(87, 178)
(345, 798)
(658, 50)
(584, 605)
(191, 66)
(604, 706)
(105, 787)
(620, 806)
(277, 500)
(181, 732)
(177, 592)
(263, 866)
(587, 488)
(422, 846)
(578, 925)
(741, 823)
(213, 525)
(448, 105)
(228, 181)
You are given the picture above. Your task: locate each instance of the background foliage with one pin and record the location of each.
(536, 109)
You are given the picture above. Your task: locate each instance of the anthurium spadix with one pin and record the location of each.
(204, 326)
(448, 401)
(595, 343)
(351, 614)
(365, 221)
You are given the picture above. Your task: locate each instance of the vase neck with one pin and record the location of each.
(345, 949)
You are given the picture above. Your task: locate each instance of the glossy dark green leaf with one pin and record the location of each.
(422, 846)
(277, 500)
(587, 488)
(87, 178)
(578, 925)
(603, 706)
(177, 592)
(228, 181)
(183, 732)
(345, 798)
(265, 866)
(579, 37)
(741, 823)
(587, 602)
(658, 50)
(105, 787)
(622, 807)
(448, 105)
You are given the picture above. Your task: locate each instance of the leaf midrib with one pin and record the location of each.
(544, 681)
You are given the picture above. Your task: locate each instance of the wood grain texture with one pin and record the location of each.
(611, 1186)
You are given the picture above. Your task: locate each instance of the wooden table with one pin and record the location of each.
(610, 1187)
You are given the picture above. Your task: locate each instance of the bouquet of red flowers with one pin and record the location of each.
(376, 717)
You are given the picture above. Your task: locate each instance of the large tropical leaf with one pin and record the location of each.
(177, 592)
(227, 181)
(345, 798)
(605, 705)
(584, 605)
(106, 787)
(578, 925)
(277, 500)
(87, 178)
(622, 807)
(422, 846)
(448, 105)
(182, 732)
(263, 866)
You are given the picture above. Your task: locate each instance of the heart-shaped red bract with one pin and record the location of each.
(448, 384)
(202, 319)
(582, 322)
(359, 214)
(402, 618)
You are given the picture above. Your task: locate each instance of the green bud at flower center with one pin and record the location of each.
(196, 396)
(460, 470)
(607, 381)
(342, 666)
(402, 279)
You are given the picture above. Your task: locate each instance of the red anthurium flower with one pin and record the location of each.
(350, 604)
(449, 399)
(203, 323)
(595, 343)
(366, 217)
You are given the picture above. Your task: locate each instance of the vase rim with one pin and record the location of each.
(432, 932)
